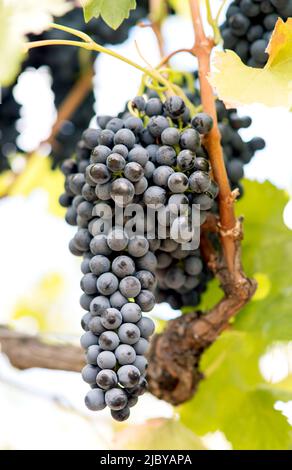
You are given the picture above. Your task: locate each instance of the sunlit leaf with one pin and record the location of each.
(238, 84)
(113, 12)
(18, 19)
(160, 434)
(39, 174)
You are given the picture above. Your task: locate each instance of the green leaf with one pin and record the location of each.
(237, 84)
(267, 255)
(113, 12)
(158, 434)
(17, 19)
(234, 396)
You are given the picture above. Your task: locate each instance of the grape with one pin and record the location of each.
(193, 265)
(174, 278)
(85, 301)
(186, 160)
(255, 32)
(76, 183)
(152, 151)
(90, 137)
(129, 333)
(82, 239)
(125, 137)
(166, 155)
(103, 191)
(88, 283)
(146, 300)
(128, 376)
(123, 266)
(106, 360)
(235, 170)
(99, 264)
(163, 260)
(141, 186)
(130, 286)
(138, 246)
(161, 175)
(116, 399)
(146, 327)
(141, 363)
(99, 246)
(239, 24)
(117, 239)
(106, 379)
(98, 305)
(95, 325)
(106, 137)
(125, 354)
(117, 300)
(85, 320)
(170, 136)
(249, 8)
(258, 49)
(139, 103)
(107, 284)
(205, 201)
(156, 125)
(89, 373)
(153, 107)
(111, 318)
(178, 203)
(121, 415)
(203, 123)
(190, 140)
(100, 154)
(109, 340)
(103, 120)
(92, 353)
(131, 312)
(122, 191)
(178, 182)
(121, 149)
(133, 171)
(115, 124)
(199, 182)
(134, 124)
(94, 400)
(146, 138)
(148, 262)
(139, 155)
(154, 196)
(115, 162)
(88, 193)
(149, 169)
(147, 279)
(142, 346)
(174, 107)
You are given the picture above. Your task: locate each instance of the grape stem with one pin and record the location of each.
(91, 45)
(202, 50)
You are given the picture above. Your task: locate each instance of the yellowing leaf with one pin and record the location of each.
(160, 434)
(17, 19)
(38, 174)
(237, 84)
(113, 12)
(41, 304)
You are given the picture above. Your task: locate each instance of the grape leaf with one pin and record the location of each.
(160, 434)
(237, 84)
(113, 12)
(235, 397)
(39, 174)
(267, 253)
(17, 19)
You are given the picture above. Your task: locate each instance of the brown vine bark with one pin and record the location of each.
(26, 351)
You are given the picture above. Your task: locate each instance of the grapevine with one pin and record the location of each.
(151, 193)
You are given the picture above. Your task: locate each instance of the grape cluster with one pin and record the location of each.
(151, 161)
(249, 25)
(66, 66)
(236, 151)
(9, 113)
